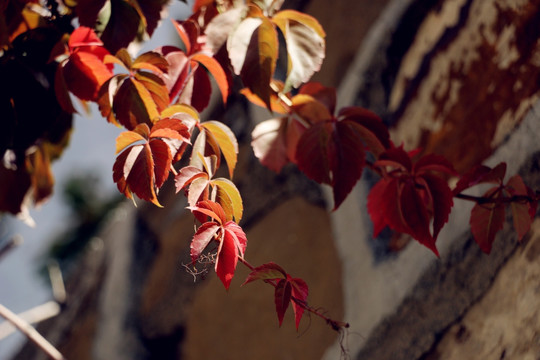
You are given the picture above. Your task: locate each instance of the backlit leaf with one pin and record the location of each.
(226, 141)
(305, 45)
(204, 235)
(227, 192)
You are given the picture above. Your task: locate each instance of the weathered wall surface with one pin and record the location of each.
(464, 85)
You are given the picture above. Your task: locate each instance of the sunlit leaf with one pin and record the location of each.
(227, 193)
(305, 45)
(226, 141)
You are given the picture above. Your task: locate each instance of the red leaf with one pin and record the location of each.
(84, 74)
(133, 104)
(209, 208)
(333, 154)
(300, 292)
(433, 163)
(217, 72)
(369, 128)
(415, 215)
(227, 259)
(133, 171)
(442, 201)
(481, 174)
(520, 210)
(238, 236)
(269, 143)
(378, 206)
(186, 175)
(282, 298)
(205, 233)
(487, 219)
(268, 271)
(162, 161)
(325, 95)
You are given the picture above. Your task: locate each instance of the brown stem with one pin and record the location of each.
(500, 200)
(334, 324)
(31, 333)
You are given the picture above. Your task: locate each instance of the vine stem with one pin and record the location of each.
(31, 333)
(334, 324)
(486, 200)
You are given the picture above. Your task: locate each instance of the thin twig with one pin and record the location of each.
(31, 333)
(499, 200)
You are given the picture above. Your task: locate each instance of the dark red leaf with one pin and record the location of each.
(227, 258)
(415, 215)
(487, 219)
(268, 271)
(282, 298)
(333, 154)
(481, 174)
(300, 293)
(520, 210)
(442, 201)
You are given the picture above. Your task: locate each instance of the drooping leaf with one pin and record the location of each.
(332, 153)
(145, 158)
(300, 293)
(84, 73)
(521, 213)
(122, 27)
(481, 174)
(228, 196)
(211, 209)
(133, 104)
(415, 215)
(269, 143)
(268, 271)
(133, 171)
(368, 126)
(282, 298)
(487, 219)
(441, 199)
(226, 140)
(287, 289)
(305, 45)
(203, 236)
(412, 197)
(217, 72)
